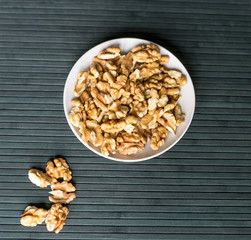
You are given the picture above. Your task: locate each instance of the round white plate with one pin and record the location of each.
(186, 101)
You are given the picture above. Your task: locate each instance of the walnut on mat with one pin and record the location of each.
(56, 217)
(32, 216)
(62, 192)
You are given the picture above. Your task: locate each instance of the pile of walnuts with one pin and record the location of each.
(62, 193)
(124, 101)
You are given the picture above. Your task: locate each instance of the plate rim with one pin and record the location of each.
(113, 158)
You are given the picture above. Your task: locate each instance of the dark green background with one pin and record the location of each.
(199, 190)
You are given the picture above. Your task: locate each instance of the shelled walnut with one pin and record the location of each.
(56, 217)
(119, 87)
(58, 168)
(40, 178)
(62, 192)
(32, 216)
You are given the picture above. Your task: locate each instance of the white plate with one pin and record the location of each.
(187, 100)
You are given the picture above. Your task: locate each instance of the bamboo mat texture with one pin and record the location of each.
(199, 190)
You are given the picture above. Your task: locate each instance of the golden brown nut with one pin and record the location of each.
(76, 115)
(111, 127)
(158, 137)
(182, 81)
(174, 74)
(62, 192)
(40, 178)
(179, 116)
(32, 216)
(108, 145)
(106, 65)
(82, 83)
(96, 137)
(164, 60)
(58, 168)
(138, 108)
(109, 53)
(168, 121)
(56, 217)
(130, 148)
(146, 120)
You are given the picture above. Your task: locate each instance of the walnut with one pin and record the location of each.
(109, 53)
(40, 178)
(125, 97)
(169, 106)
(32, 216)
(130, 148)
(131, 119)
(129, 128)
(135, 75)
(91, 109)
(122, 112)
(126, 63)
(108, 145)
(163, 101)
(96, 137)
(170, 82)
(56, 217)
(76, 103)
(146, 72)
(76, 115)
(106, 65)
(174, 74)
(85, 96)
(103, 87)
(115, 93)
(58, 168)
(168, 120)
(179, 116)
(182, 81)
(158, 137)
(146, 120)
(138, 108)
(94, 71)
(152, 103)
(139, 95)
(62, 192)
(82, 83)
(112, 127)
(129, 137)
(164, 60)
(101, 116)
(147, 54)
(145, 133)
(100, 105)
(130, 143)
(173, 91)
(121, 80)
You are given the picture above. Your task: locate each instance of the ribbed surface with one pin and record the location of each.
(199, 190)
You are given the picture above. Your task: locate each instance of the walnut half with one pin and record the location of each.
(32, 216)
(56, 217)
(62, 192)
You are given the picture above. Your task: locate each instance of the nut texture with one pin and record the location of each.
(62, 192)
(127, 94)
(40, 178)
(32, 216)
(56, 217)
(58, 168)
